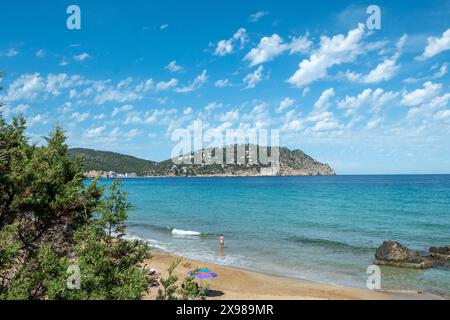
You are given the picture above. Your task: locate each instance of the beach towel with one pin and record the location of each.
(202, 273)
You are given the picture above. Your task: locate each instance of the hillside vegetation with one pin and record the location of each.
(111, 161)
(292, 163)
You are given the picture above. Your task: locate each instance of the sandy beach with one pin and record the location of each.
(238, 284)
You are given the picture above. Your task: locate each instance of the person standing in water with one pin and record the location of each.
(222, 241)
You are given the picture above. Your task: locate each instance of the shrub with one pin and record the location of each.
(50, 219)
(189, 289)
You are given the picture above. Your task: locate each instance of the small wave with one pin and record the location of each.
(154, 243)
(166, 230)
(186, 233)
(150, 227)
(328, 244)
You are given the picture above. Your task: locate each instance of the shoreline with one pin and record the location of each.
(279, 176)
(217, 176)
(235, 283)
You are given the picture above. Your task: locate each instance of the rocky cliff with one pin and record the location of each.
(291, 163)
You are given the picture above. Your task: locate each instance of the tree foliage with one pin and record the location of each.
(50, 219)
(188, 290)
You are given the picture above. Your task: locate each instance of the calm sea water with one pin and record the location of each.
(324, 229)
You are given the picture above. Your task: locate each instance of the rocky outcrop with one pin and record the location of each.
(244, 162)
(442, 253)
(298, 163)
(392, 253)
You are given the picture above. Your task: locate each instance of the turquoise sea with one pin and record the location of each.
(324, 229)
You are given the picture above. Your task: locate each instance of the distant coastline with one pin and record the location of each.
(101, 175)
(263, 176)
(287, 163)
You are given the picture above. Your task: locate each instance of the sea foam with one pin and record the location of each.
(185, 233)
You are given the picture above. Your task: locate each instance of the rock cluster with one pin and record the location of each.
(440, 253)
(392, 253)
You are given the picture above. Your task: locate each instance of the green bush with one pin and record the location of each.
(50, 219)
(189, 289)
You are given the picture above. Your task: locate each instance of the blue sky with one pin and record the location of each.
(365, 101)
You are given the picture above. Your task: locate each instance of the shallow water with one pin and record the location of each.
(323, 229)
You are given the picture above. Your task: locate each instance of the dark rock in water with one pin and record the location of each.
(440, 253)
(392, 253)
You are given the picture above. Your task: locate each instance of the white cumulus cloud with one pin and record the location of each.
(195, 84)
(332, 51)
(285, 103)
(420, 96)
(324, 101)
(225, 47)
(436, 46)
(253, 78)
(222, 83)
(267, 49)
(257, 15)
(80, 117)
(40, 53)
(271, 47)
(374, 99)
(94, 132)
(125, 108)
(166, 85)
(173, 67)
(388, 68)
(81, 57)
